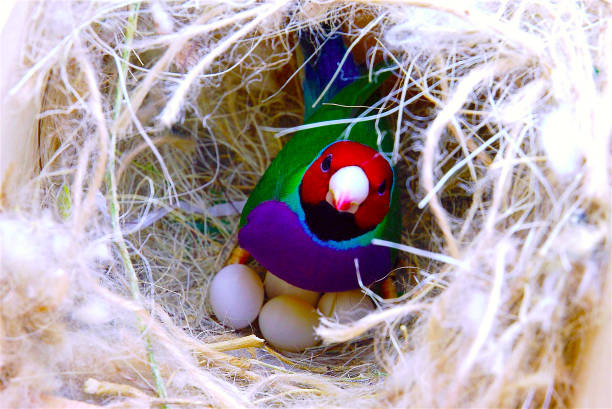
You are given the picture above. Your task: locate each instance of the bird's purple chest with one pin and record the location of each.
(276, 238)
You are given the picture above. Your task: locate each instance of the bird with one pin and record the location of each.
(332, 188)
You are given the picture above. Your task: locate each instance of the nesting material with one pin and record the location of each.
(133, 132)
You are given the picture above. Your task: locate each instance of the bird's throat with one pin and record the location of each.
(327, 223)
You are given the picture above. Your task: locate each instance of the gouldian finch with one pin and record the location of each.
(331, 189)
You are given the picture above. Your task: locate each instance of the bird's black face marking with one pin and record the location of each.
(326, 163)
(327, 223)
(382, 188)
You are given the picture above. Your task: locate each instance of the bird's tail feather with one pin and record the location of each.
(323, 54)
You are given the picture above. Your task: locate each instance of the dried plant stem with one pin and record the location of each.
(400, 113)
(508, 31)
(332, 332)
(170, 113)
(453, 105)
(295, 364)
(138, 95)
(83, 207)
(100, 388)
(57, 402)
(420, 252)
(250, 341)
(114, 205)
(96, 387)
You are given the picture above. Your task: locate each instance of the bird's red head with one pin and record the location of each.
(353, 178)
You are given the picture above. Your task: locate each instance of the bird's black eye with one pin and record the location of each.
(326, 164)
(382, 187)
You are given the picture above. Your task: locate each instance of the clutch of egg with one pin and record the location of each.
(236, 295)
(288, 318)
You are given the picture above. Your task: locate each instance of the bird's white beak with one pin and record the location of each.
(348, 188)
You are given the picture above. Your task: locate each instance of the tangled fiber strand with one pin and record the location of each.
(502, 141)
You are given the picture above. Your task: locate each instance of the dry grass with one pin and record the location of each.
(138, 127)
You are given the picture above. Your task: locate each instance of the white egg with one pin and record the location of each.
(236, 295)
(275, 286)
(346, 306)
(288, 322)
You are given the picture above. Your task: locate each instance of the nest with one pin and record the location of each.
(133, 131)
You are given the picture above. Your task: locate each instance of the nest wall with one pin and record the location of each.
(132, 132)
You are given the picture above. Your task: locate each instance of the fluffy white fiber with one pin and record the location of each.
(132, 133)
